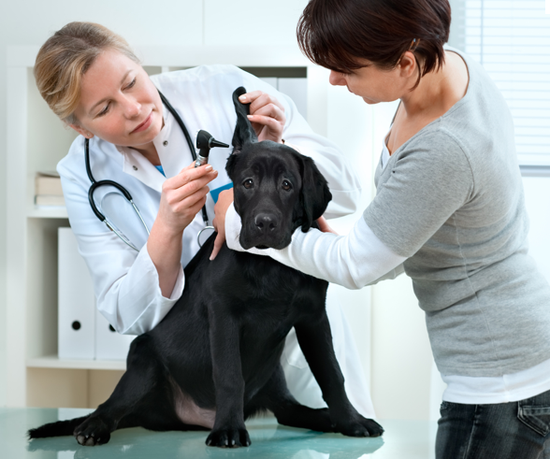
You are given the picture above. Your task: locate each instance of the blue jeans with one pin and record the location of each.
(517, 430)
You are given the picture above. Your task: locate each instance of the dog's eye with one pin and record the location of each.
(248, 183)
(287, 186)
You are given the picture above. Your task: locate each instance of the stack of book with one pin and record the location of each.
(48, 191)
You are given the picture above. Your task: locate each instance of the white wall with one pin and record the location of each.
(537, 200)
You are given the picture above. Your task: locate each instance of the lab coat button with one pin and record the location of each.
(165, 142)
(135, 168)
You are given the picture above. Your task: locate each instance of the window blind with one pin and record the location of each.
(511, 39)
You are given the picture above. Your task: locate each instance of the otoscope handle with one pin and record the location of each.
(205, 141)
(201, 160)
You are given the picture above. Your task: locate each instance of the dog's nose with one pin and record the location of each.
(265, 222)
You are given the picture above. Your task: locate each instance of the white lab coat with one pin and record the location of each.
(125, 281)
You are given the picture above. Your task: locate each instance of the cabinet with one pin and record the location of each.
(37, 140)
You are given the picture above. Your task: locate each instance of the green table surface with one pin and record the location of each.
(403, 439)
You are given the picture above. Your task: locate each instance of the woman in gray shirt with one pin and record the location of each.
(449, 211)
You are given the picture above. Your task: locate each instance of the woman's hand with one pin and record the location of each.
(224, 201)
(267, 115)
(183, 196)
(324, 226)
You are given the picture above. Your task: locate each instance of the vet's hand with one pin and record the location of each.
(224, 201)
(324, 226)
(267, 115)
(183, 196)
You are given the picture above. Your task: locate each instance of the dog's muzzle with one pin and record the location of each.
(265, 230)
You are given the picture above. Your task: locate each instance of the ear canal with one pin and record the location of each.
(244, 132)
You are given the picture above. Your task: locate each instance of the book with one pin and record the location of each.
(49, 200)
(48, 183)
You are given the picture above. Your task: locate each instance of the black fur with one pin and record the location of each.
(214, 359)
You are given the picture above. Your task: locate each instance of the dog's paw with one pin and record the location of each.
(92, 432)
(228, 438)
(359, 427)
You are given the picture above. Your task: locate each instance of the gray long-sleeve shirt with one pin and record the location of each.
(451, 200)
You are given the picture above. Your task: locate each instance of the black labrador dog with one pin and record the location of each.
(214, 359)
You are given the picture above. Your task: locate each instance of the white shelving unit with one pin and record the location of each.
(53, 361)
(37, 140)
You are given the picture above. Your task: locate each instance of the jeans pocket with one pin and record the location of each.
(537, 417)
(445, 406)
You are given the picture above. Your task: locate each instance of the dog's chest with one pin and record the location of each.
(271, 304)
(266, 278)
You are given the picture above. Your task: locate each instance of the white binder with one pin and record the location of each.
(110, 345)
(76, 301)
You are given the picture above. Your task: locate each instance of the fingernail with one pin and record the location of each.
(250, 116)
(242, 98)
(208, 167)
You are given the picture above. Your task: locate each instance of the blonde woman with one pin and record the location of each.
(93, 81)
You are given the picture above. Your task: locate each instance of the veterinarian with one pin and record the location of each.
(449, 211)
(93, 81)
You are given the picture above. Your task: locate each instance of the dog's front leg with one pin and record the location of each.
(315, 340)
(229, 429)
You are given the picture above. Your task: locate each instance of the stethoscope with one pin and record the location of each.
(198, 161)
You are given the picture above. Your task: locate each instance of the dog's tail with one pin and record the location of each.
(56, 429)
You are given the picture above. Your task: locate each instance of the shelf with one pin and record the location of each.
(47, 212)
(53, 361)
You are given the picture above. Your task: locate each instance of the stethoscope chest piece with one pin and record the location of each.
(204, 234)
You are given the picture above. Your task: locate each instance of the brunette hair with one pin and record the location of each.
(65, 57)
(337, 33)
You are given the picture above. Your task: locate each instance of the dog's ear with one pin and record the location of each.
(244, 132)
(314, 195)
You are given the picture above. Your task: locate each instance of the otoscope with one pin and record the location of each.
(205, 142)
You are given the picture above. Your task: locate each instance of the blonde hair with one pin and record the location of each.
(66, 57)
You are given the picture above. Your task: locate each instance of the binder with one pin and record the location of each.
(76, 301)
(110, 345)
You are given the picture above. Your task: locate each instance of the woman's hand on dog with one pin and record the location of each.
(225, 199)
(267, 115)
(324, 226)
